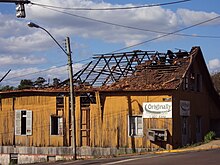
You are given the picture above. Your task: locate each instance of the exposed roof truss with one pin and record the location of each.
(109, 68)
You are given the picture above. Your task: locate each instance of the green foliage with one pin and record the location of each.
(209, 136)
(39, 82)
(6, 88)
(25, 84)
(56, 82)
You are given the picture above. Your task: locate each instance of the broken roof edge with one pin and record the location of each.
(166, 78)
(214, 94)
(193, 52)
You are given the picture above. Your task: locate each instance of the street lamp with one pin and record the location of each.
(31, 24)
(68, 53)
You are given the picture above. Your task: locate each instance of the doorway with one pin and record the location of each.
(198, 128)
(185, 130)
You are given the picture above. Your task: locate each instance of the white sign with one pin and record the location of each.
(184, 108)
(157, 110)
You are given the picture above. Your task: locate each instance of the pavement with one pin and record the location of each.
(214, 144)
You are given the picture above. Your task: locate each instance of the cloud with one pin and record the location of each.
(214, 64)
(17, 60)
(15, 76)
(15, 36)
(21, 45)
(190, 17)
(153, 18)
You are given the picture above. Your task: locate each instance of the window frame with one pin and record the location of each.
(136, 125)
(27, 118)
(59, 125)
(186, 83)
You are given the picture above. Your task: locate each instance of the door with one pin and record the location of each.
(85, 126)
(185, 130)
(198, 129)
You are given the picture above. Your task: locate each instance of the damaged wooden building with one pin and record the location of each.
(124, 102)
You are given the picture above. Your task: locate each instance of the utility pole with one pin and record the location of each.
(72, 102)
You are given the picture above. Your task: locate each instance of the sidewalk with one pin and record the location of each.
(214, 144)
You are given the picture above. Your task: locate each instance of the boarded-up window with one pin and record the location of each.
(135, 126)
(56, 125)
(23, 122)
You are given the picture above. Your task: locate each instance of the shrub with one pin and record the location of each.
(209, 136)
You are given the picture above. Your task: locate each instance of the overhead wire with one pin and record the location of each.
(129, 27)
(125, 26)
(165, 35)
(45, 70)
(111, 8)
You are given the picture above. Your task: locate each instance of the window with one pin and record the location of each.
(56, 125)
(135, 126)
(186, 83)
(184, 125)
(192, 82)
(23, 122)
(60, 102)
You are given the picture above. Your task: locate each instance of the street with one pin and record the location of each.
(210, 157)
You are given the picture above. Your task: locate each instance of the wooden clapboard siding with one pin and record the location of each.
(6, 122)
(67, 126)
(42, 108)
(110, 127)
(96, 122)
(77, 118)
(115, 110)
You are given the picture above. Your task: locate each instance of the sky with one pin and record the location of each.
(31, 53)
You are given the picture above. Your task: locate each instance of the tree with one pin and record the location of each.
(25, 84)
(216, 81)
(56, 82)
(6, 88)
(39, 82)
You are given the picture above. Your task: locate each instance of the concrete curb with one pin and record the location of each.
(189, 149)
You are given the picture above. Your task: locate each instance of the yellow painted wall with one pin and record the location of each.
(42, 108)
(109, 125)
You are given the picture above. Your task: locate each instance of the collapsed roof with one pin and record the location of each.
(129, 71)
(137, 70)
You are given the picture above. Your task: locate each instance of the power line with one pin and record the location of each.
(111, 8)
(130, 27)
(45, 70)
(156, 38)
(35, 72)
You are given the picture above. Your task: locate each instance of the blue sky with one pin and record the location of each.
(30, 52)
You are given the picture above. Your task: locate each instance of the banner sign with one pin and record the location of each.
(157, 110)
(184, 108)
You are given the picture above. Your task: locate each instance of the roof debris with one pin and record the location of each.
(155, 71)
(130, 71)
